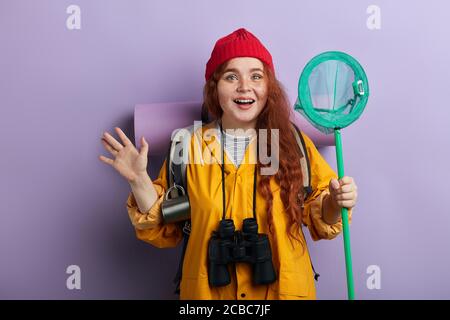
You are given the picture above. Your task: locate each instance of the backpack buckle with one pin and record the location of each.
(187, 228)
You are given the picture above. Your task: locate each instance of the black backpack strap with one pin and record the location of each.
(316, 275)
(174, 170)
(306, 171)
(304, 162)
(169, 177)
(177, 174)
(177, 177)
(178, 275)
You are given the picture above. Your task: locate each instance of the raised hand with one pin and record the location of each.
(128, 161)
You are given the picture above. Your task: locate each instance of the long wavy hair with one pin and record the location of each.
(275, 114)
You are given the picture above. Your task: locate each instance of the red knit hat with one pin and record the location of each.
(239, 43)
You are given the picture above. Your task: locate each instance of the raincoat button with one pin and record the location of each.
(243, 295)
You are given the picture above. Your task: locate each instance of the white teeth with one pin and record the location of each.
(244, 101)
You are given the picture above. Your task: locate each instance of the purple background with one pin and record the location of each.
(61, 89)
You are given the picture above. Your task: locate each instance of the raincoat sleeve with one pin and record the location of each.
(149, 225)
(321, 174)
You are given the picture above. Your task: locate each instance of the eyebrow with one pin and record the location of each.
(237, 71)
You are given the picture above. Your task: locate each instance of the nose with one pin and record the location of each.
(243, 85)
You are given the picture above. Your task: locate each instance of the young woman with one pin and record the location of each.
(241, 92)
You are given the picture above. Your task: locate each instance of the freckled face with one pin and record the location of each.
(242, 92)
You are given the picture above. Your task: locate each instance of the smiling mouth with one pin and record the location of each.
(244, 102)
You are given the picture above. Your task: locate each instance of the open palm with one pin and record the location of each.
(128, 161)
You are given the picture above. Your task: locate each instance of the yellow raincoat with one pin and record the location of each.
(204, 180)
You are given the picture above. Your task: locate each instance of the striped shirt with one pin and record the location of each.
(235, 147)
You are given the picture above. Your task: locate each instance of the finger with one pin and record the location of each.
(109, 148)
(123, 137)
(144, 148)
(334, 184)
(106, 160)
(345, 196)
(346, 204)
(345, 180)
(113, 142)
(345, 189)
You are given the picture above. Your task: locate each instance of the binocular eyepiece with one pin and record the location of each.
(229, 245)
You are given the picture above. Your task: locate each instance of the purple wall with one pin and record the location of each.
(60, 89)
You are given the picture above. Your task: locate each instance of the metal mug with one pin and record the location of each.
(177, 208)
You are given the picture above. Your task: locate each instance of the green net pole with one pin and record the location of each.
(344, 213)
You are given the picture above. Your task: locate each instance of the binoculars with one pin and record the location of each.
(228, 245)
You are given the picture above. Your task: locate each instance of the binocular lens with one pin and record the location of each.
(226, 228)
(250, 226)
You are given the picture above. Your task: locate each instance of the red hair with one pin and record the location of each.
(275, 114)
